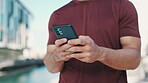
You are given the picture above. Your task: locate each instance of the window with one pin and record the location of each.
(20, 16)
(1, 18)
(1, 35)
(1, 4)
(27, 21)
(10, 11)
(11, 7)
(1, 14)
(1, 24)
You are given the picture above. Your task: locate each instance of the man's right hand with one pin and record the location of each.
(60, 52)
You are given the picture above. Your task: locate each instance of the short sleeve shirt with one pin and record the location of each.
(105, 21)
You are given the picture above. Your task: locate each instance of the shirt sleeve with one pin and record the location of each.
(52, 36)
(128, 20)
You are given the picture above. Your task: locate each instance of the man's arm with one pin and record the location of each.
(55, 57)
(52, 65)
(126, 58)
(122, 59)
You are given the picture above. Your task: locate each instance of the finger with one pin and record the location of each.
(65, 47)
(87, 60)
(64, 54)
(84, 37)
(66, 59)
(59, 42)
(78, 49)
(77, 55)
(79, 42)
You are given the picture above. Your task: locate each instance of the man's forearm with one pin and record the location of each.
(52, 64)
(122, 59)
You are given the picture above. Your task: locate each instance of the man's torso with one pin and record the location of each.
(99, 20)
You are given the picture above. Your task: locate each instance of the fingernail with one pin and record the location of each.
(65, 39)
(81, 36)
(69, 41)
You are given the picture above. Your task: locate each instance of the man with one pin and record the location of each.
(109, 35)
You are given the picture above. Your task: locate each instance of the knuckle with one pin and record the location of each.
(79, 41)
(87, 36)
(76, 49)
(89, 42)
(67, 52)
(59, 41)
(73, 49)
(76, 56)
(66, 46)
(89, 54)
(56, 42)
(81, 36)
(88, 60)
(63, 47)
(88, 48)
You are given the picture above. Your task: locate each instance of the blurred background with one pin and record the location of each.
(24, 35)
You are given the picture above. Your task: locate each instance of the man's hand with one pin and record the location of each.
(88, 52)
(56, 56)
(60, 52)
(122, 59)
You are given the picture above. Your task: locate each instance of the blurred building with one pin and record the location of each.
(14, 24)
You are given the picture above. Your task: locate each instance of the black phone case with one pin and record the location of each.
(65, 31)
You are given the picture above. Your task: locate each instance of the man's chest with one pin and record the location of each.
(89, 18)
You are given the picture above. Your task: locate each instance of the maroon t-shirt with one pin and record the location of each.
(105, 21)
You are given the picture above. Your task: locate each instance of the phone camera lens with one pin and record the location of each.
(58, 29)
(61, 33)
(58, 34)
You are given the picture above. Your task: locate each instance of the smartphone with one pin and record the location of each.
(64, 31)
